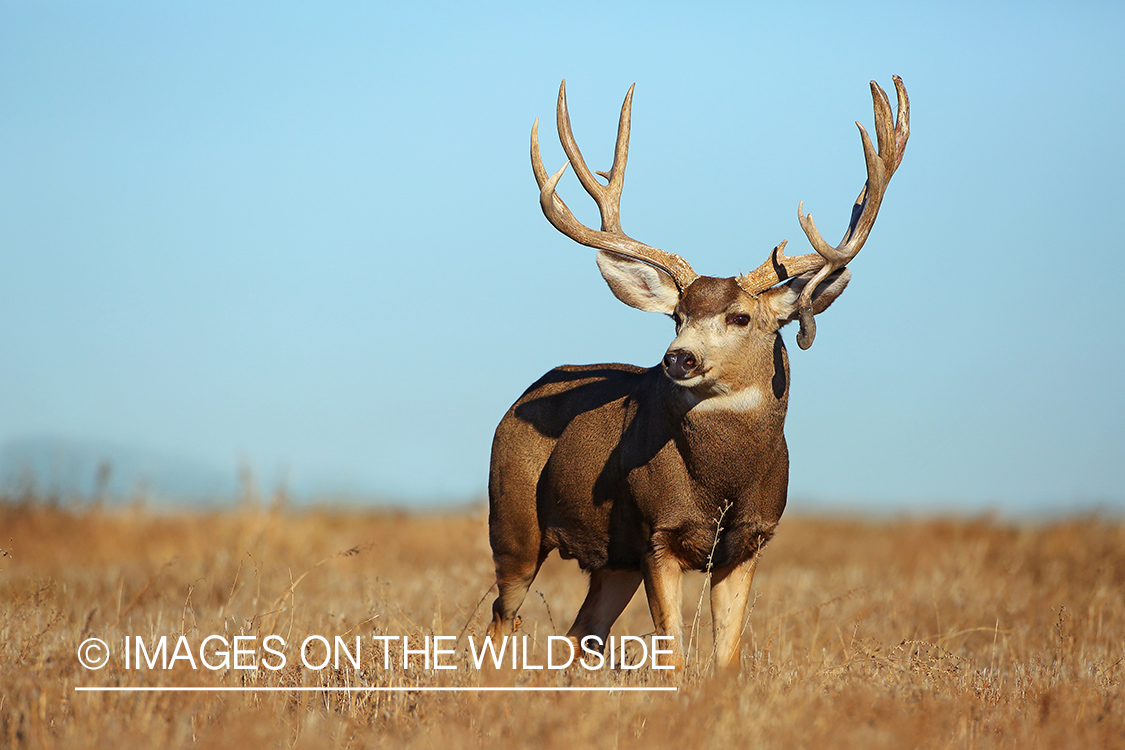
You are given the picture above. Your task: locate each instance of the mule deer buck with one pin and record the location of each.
(629, 469)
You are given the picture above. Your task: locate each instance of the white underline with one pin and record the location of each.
(420, 689)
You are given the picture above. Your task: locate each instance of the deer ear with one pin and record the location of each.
(781, 301)
(639, 284)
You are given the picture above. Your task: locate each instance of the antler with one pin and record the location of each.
(891, 135)
(608, 197)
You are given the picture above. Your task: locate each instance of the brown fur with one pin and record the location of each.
(617, 467)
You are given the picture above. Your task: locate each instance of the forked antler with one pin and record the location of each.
(608, 197)
(891, 135)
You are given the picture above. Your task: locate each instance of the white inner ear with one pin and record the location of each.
(782, 302)
(638, 284)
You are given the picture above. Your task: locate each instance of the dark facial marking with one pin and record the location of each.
(780, 381)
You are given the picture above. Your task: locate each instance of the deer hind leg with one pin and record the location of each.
(514, 574)
(513, 533)
(609, 594)
(730, 590)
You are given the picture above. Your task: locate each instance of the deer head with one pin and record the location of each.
(717, 319)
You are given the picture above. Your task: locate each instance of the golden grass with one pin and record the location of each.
(943, 633)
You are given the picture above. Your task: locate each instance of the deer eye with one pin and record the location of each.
(677, 319)
(738, 319)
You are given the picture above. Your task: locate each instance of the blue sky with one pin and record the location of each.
(308, 238)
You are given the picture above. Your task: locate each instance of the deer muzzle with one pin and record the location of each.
(681, 364)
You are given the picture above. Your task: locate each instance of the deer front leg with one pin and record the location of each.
(730, 590)
(663, 576)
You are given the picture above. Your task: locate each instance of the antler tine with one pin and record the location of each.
(891, 135)
(902, 123)
(608, 197)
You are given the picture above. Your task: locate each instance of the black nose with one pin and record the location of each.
(679, 363)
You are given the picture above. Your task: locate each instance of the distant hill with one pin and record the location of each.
(69, 468)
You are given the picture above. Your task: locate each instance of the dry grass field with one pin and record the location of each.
(889, 634)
